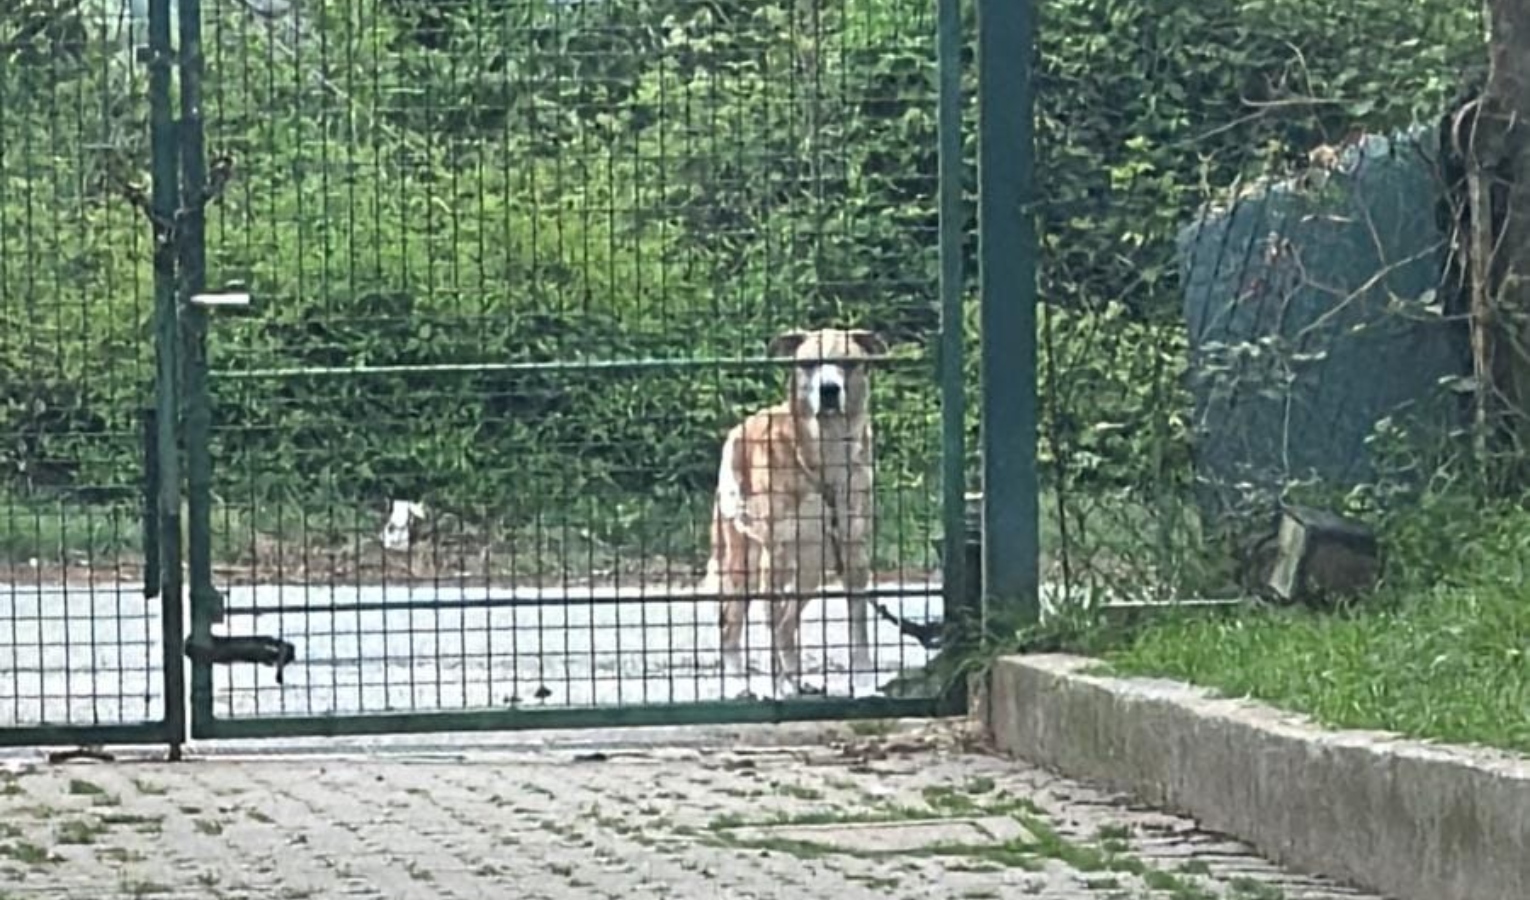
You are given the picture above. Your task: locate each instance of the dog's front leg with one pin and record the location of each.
(857, 585)
(734, 619)
(857, 572)
(763, 569)
(785, 617)
(786, 626)
(783, 639)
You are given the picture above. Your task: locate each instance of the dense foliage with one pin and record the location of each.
(427, 182)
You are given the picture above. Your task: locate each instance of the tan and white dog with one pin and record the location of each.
(794, 502)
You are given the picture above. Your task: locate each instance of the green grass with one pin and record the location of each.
(1450, 663)
(79, 787)
(48, 530)
(80, 831)
(26, 852)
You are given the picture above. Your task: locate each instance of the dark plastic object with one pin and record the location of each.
(1342, 278)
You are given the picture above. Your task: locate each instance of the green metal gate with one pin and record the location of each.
(90, 619)
(526, 285)
(453, 303)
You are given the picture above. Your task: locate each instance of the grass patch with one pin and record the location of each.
(1441, 652)
(119, 855)
(872, 727)
(49, 530)
(27, 853)
(79, 787)
(1245, 888)
(81, 831)
(1104, 860)
(145, 888)
(1451, 664)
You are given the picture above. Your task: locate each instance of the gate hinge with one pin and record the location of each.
(258, 649)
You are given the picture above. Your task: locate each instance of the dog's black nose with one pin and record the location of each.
(829, 395)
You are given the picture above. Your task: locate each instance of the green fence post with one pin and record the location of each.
(956, 577)
(164, 201)
(206, 603)
(1007, 279)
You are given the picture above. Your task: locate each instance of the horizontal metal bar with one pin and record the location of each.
(83, 735)
(560, 365)
(726, 712)
(563, 599)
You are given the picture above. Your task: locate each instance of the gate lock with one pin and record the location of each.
(258, 649)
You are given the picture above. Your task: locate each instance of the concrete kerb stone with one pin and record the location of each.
(1405, 818)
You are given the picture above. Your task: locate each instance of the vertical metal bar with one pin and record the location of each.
(151, 489)
(206, 604)
(1007, 277)
(164, 201)
(953, 396)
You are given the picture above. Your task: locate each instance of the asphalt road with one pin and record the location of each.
(90, 654)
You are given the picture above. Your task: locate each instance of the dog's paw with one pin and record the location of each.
(783, 688)
(761, 688)
(807, 687)
(736, 685)
(864, 684)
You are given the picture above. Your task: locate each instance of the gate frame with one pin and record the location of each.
(160, 515)
(1007, 297)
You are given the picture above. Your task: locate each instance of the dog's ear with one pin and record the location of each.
(786, 344)
(869, 341)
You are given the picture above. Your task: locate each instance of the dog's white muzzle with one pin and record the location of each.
(825, 389)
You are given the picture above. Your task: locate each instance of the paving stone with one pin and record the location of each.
(894, 816)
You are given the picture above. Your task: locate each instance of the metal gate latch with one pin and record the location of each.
(258, 649)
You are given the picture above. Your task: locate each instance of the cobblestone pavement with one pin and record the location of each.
(876, 811)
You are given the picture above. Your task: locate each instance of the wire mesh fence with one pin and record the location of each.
(79, 641)
(1246, 241)
(514, 269)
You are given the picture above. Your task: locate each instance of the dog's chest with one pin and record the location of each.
(830, 454)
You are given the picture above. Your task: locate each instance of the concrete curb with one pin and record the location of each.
(1404, 818)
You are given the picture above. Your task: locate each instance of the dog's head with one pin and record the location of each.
(829, 378)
